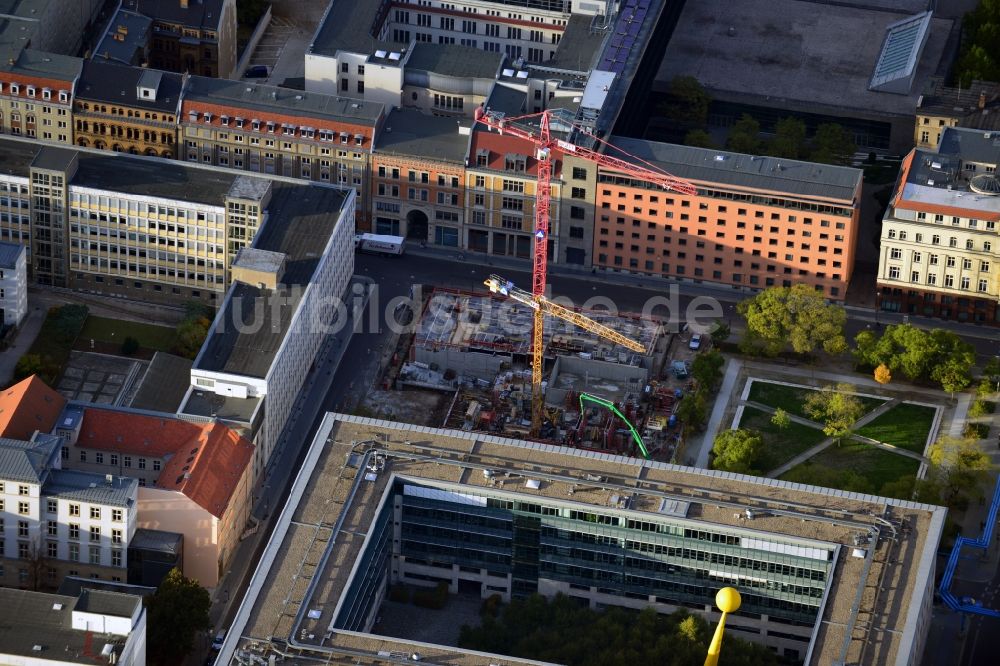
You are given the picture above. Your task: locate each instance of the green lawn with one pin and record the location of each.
(904, 425)
(875, 467)
(780, 446)
(158, 338)
(790, 398)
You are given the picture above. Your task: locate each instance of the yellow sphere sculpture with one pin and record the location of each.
(728, 601)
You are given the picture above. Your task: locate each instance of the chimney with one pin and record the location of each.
(982, 100)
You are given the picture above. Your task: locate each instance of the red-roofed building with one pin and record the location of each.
(194, 478)
(28, 406)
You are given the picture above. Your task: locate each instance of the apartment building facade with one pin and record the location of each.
(36, 93)
(942, 106)
(272, 130)
(940, 245)
(754, 223)
(127, 109)
(56, 522)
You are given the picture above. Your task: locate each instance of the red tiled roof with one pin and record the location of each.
(203, 461)
(28, 406)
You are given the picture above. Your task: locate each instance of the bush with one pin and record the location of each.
(491, 605)
(981, 408)
(399, 594)
(976, 430)
(434, 598)
(130, 346)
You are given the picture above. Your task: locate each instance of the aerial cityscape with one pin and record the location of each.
(499, 332)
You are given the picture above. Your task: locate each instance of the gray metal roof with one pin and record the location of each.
(746, 171)
(164, 384)
(411, 133)
(302, 219)
(110, 82)
(455, 60)
(125, 39)
(71, 586)
(197, 14)
(9, 253)
(255, 259)
(970, 145)
(901, 48)
(27, 462)
(153, 177)
(579, 46)
(274, 99)
(102, 602)
(31, 619)
(45, 65)
(92, 488)
(226, 408)
(785, 53)
(157, 540)
(348, 25)
(51, 158)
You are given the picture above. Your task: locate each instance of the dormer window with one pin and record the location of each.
(1, 87)
(287, 130)
(344, 137)
(224, 120)
(270, 126)
(193, 116)
(31, 91)
(359, 139)
(239, 122)
(63, 96)
(208, 117)
(255, 124)
(14, 89)
(46, 94)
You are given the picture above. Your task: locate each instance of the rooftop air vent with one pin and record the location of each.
(394, 56)
(380, 53)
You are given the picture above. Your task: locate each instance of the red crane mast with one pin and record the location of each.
(545, 147)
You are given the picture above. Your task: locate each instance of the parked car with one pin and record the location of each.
(256, 72)
(219, 639)
(695, 341)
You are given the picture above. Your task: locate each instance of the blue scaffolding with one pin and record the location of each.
(966, 605)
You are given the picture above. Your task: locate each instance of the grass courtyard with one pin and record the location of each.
(791, 398)
(114, 331)
(874, 466)
(780, 444)
(905, 426)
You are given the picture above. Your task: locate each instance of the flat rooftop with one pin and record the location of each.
(779, 52)
(164, 384)
(880, 585)
(938, 183)
(239, 411)
(808, 179)
(284, 101)
(465, 62)
(31, 619)
(410, 133)
(301, 220)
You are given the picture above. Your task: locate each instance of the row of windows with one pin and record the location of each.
(932, 259)
(971, 223)
(931, 279)
(970, 244)
(52, 506)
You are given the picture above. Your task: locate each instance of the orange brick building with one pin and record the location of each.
(756, 222)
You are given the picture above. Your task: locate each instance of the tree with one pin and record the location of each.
(692, 410)
(177, 611)
(959, 469)
(780, 419)
(882, 374)
(688, 102)
(698, 138)
(797, 315)
(737, 451)
(27, 365)
(193, 329)
(902, 488)
(789, 139)
(744, 136)
(707, 368)
(836, 408)
(832, 145)
(721, 332)
(130, 346)
(991, 371)
(936, 354)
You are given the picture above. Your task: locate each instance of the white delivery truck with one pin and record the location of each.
(379, 244)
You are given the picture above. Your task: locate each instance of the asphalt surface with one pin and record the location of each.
(348, 364)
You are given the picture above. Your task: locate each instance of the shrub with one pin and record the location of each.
(976, 430)
(130, 346)
(981, 408)
(399, 594)
(491, 605)
(432, 597)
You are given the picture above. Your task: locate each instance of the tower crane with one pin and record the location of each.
(546, 147)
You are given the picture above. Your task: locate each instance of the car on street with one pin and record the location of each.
(695, 341)
(219, 639)
(256, 72)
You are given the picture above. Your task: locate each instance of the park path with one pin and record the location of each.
(828, 442)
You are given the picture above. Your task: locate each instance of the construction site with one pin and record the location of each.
(474, 350)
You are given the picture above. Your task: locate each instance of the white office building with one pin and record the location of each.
(13, 283)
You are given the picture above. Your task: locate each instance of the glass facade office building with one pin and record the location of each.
(518, 544)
